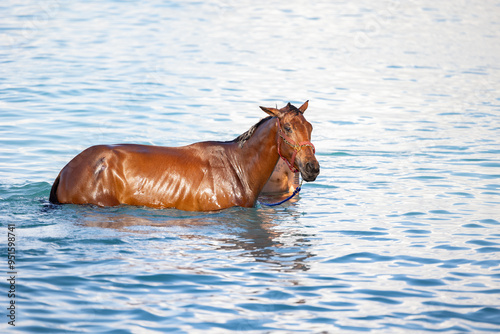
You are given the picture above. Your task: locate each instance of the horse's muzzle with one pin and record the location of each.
(310, 171)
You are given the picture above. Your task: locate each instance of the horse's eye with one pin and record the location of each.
(287, 128)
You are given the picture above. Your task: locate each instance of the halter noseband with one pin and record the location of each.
(296, 147)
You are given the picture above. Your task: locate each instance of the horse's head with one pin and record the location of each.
(294, 140)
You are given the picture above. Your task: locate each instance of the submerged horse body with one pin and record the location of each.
(204, 176)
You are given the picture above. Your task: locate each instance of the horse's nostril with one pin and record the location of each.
(308, 167)
(312, 167)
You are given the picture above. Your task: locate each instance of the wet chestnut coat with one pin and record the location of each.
(204, 176)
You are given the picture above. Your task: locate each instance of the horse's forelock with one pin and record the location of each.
(292, 108)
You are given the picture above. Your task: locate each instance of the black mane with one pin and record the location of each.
(241, 139)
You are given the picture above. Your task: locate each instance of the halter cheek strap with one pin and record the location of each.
(296, 147)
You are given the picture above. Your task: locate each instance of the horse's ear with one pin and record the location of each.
(271, 111)
(304, 106)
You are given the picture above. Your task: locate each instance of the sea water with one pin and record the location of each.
(400, 233)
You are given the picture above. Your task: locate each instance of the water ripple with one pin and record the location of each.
(398, 234)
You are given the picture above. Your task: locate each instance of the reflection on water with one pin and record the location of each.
(255, 232)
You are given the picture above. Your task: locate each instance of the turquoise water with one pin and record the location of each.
(400, 233)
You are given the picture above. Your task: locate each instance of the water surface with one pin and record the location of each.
(400, 232)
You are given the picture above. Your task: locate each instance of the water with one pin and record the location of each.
(400, 233)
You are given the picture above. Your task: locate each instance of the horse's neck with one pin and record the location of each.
(259, 156)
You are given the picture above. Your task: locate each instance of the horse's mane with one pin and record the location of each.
(241, 139)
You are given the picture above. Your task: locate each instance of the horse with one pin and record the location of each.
(281, 181)
(204, 176)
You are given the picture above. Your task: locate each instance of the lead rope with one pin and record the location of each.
(295, 192)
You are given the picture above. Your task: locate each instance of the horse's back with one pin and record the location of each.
(101, 174)
(155, 176)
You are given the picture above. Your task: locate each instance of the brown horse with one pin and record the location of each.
(204, 176)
